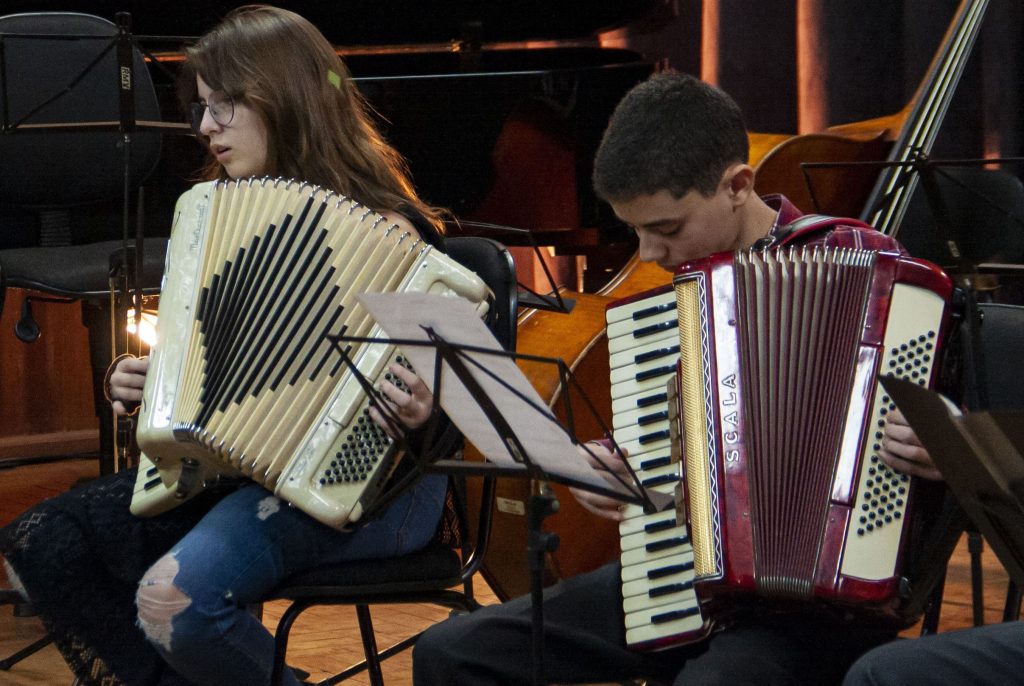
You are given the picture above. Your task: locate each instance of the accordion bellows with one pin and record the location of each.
(245, 378)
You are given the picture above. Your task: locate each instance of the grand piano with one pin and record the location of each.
(498, 106)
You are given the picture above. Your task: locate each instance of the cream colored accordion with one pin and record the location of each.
(244, 378)
(768, 433)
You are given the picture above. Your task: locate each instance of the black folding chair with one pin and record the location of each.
(437, 574)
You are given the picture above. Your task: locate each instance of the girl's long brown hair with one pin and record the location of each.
(318, 124)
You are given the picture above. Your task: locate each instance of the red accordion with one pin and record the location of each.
(774, 420)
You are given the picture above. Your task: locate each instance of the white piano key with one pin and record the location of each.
(660, 348)
(648, 415)
(633, 525)
(642, 539)
(634, 447)
(629, 333)
(643, 594)
(651, 386)
(627, 310)
(651, 400)
(641, 571)
(640, 630)
(661, 368)
(643, 438)
(638, 556)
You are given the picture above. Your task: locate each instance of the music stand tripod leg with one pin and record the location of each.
(31, 649)
(539, 507)
(21, 609)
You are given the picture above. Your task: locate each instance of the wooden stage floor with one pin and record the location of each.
(325, 640)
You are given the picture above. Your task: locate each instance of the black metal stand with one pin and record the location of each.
(510, 235)
(540, 506)
(463, 363)
(983, 467)
(126, 277)
(15, 599)
(31, 649)
(540, 542)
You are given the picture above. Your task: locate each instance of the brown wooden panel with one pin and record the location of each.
(45, 386)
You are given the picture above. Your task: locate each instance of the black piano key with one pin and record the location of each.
(662, 572)
(652, 418)
(656, 372)
(655, 399)
(653, 329)
(669, 589)
(660, 480)
(651, 311)
(656, 462)
(661, 525)
(655, 354)
(656, 436)
(658, 546)
(675, 614)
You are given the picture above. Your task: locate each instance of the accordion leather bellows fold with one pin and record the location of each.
(244, 379)
(767, 429)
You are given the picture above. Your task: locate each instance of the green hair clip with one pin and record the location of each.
(335, 78)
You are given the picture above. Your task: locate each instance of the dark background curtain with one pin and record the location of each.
(868, 58)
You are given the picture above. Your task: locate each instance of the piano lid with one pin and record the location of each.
(380, 22)
(505, 134)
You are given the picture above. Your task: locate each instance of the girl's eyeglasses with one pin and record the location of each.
(222, 109)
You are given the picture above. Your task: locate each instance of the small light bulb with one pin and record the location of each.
(146, 329)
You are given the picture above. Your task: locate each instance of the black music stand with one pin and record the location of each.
(981, 456)
(963, 268)
(512, 236)
(57, 103)
(478, 386)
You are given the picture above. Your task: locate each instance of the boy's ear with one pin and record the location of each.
(740, 180)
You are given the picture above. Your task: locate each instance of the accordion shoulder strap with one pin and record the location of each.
(801, 228)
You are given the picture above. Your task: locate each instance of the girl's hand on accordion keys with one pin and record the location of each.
(124, 385)
(412, 408)
(902, 450)
(604, 460)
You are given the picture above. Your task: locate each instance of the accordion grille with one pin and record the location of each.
(694, 377)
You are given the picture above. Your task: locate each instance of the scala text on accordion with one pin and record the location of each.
(769, 432)
(244, 378)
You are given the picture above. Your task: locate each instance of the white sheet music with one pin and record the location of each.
(546, 442)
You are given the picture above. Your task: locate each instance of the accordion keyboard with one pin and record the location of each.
(657, 559)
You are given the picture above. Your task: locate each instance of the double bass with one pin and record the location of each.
(587, 542)
(878, 198)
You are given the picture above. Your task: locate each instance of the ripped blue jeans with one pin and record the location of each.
(192, 601)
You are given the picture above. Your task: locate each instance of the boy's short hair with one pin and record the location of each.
(672, 132)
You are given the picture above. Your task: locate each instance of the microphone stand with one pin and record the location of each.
(125, 269)
(130, 265)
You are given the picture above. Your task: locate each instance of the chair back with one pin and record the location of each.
(493, 263)
(67, 80)
(1001, 348)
